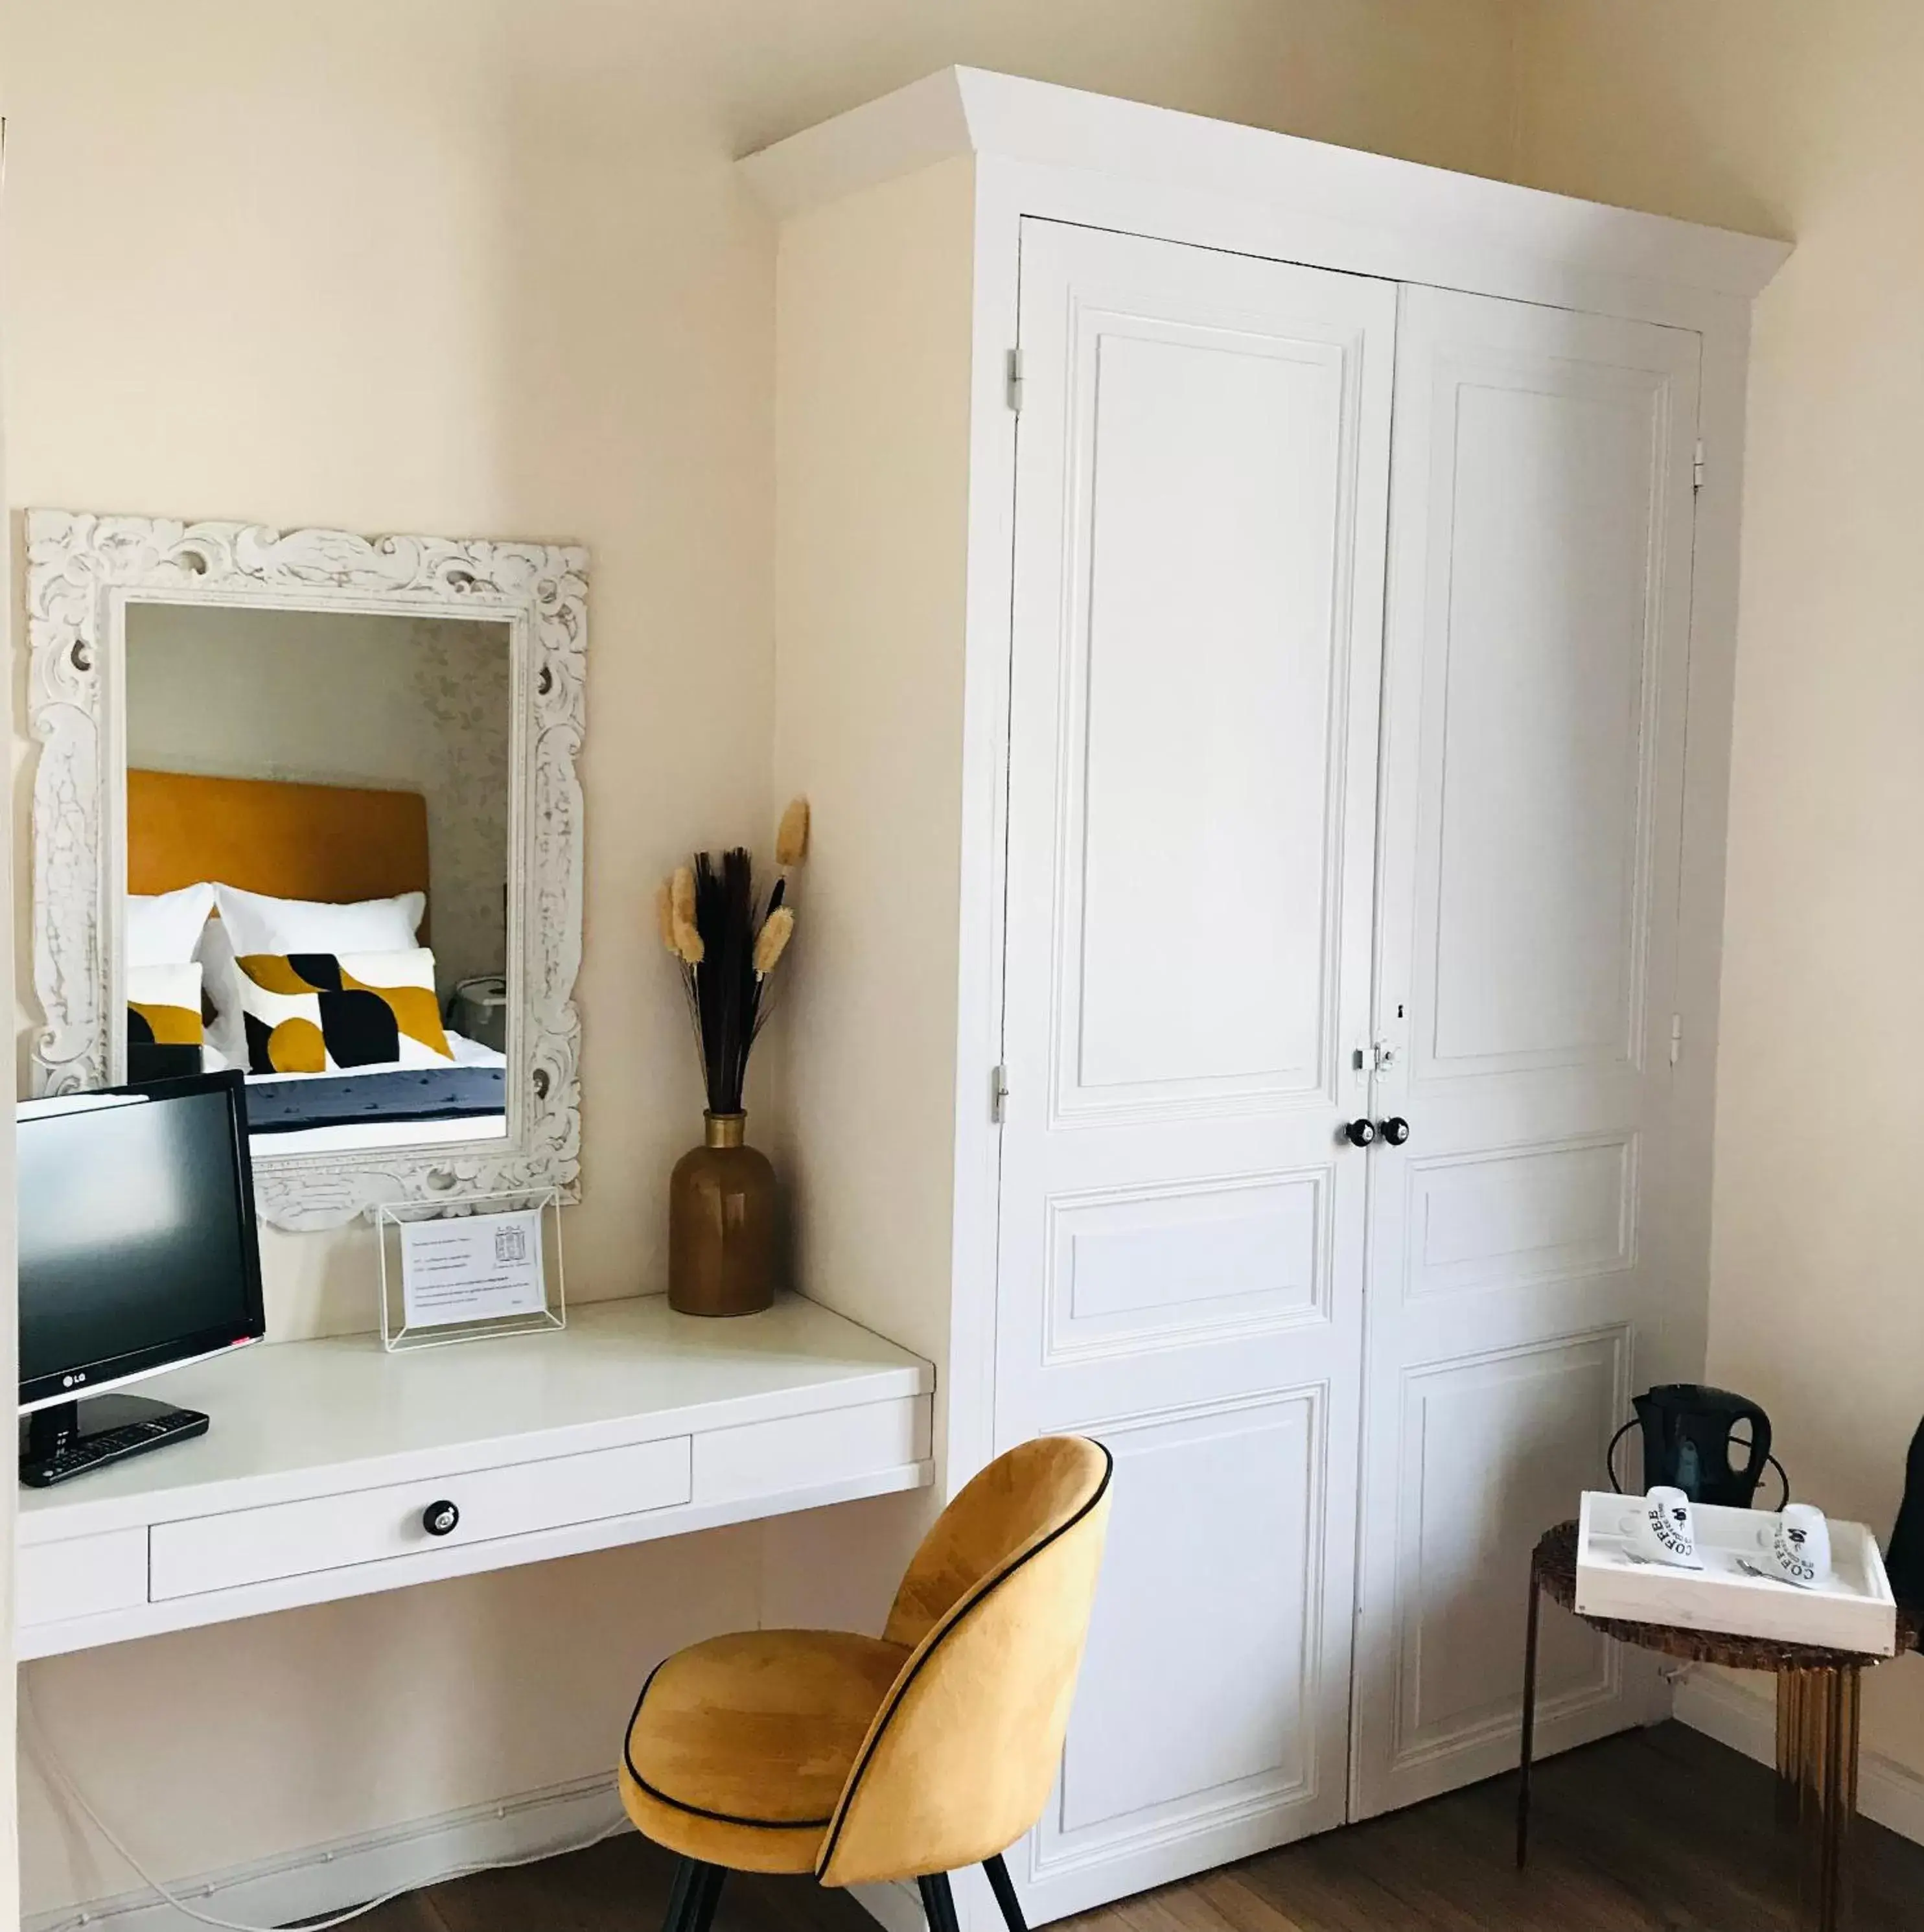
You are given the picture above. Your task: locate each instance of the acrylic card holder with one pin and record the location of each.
(463, 1271)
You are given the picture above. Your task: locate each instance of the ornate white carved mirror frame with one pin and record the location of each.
(82, 572)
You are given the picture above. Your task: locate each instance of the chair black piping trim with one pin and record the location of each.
(879, 1729)
(697, 1810)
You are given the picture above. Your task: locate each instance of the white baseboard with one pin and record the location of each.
(322, 1878)
(895, 1906)
(1745, 1719)
(319, 1880)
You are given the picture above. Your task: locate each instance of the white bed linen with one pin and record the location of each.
(351, 1135)
(467, 1053)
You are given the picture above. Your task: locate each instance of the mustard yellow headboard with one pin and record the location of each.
(297, 842)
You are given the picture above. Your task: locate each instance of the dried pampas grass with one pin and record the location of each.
(773, 940)
(792, 834)
(727, 939)
(685, 934)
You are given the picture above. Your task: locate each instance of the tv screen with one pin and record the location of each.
(137, 1246)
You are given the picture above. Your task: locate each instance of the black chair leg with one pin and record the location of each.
(692, 1896)
(939, 1903)
(686, 1872)
(705, 1896)
(1004, 1889)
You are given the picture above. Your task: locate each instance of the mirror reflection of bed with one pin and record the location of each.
(317, 845)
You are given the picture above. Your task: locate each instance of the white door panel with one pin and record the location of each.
(1204, 662)
(1534, 660)
(1212, 1643)
(1201, 475)
(1532, 1421)
(1173, 1576)
(1532, 820)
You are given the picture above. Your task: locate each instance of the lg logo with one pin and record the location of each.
(69, 1381)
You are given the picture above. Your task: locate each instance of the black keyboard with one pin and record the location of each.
(113, 1445)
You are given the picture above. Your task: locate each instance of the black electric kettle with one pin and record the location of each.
(1689, 1430)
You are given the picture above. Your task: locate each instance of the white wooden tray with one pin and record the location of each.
(1854, 1610)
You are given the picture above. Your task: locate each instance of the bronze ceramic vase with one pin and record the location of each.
(722, 1224)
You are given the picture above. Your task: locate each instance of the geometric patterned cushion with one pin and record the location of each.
(164, 1005)
(325, 1012)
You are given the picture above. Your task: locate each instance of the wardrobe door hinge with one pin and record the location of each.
(1015, 380)
(998, 1093)
(1697, 469)
(1676, 1038)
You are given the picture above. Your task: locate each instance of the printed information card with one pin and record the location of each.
(472, 1267)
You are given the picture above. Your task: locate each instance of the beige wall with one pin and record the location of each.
(1800, 118)
(473, 267)
(871, 549)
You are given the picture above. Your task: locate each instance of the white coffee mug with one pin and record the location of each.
(1664, 1530)
(1795, 1546)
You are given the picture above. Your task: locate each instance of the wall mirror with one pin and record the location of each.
(306, 805)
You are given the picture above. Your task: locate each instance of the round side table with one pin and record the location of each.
(1816, 1717)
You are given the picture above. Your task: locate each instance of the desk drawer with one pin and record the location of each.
(81, 1577)
(257, 1546)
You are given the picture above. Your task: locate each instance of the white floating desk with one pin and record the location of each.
(324, 1458)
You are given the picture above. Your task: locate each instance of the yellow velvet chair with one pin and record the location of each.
(910, 1755)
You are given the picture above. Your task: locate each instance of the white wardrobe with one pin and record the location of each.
(1255, 622)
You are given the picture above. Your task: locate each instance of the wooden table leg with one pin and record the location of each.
(1529, 1721)
(1853, 1724)
(1793, 1692)
(1810, 1778)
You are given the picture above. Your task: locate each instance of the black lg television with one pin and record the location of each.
(138, 1253)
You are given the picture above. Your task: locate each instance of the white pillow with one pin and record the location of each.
(257, 923)
(220, 979)
(163, 927)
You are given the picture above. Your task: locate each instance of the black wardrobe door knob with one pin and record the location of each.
(438, 1519)
(1360, 1133)
(1395, 1130)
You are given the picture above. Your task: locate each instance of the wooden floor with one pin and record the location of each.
(1659, 1831)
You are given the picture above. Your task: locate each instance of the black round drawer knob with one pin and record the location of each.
(1395, 1130)
(1360, 1133)
(438, 1519)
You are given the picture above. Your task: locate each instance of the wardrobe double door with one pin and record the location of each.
(1344, 777)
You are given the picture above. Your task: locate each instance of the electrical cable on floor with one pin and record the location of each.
(63, 1781)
